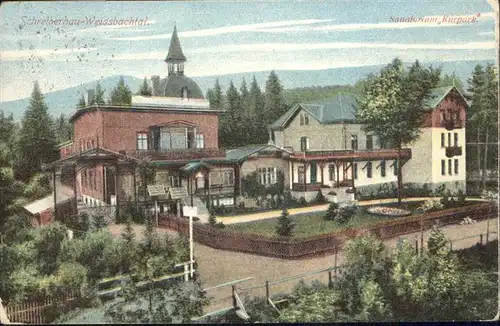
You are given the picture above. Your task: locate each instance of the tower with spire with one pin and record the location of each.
(175, 58)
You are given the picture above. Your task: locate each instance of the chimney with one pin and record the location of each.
(156, 85)
(90, 96)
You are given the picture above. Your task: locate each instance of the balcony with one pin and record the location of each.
(374, 154)
(453, 151)
(450, 124)
(179, 154)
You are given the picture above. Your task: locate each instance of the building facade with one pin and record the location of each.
(316, 146)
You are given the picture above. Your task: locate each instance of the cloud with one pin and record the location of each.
(17, 55)
(486, 33)
(225, 30)
(275, 47)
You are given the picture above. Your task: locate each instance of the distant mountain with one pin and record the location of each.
(64, 101)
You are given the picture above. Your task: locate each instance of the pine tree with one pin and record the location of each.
(81, 102)
(145, 89)
(215, 96)
(36, 143)
(121, 94)
(63, 129)
(257, 99)
(245, 100)
(332, 212)
(275, 104)
(212, 220)
(128, 234)
(285, 226)
(98, 96)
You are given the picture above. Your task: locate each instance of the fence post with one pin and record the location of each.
(451, 245)
(267, 291)
(416, 246)
(487, 230)
(186, 273)
(335, 262)
(330, 285)
(234, 296)
(481, 238)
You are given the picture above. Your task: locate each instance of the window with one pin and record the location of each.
(354, 142)
(93, 144)
(455, 138)
(94, 176)
(382, 143)
(88, 144)
(382, 169)
(200, 143)
(442, 139)
(304, 119)
(184, 93)
(443, 167)
(331, 172)
(395, 165)
(174, 181)
(449, 166)
(91, 179)
(142, 140)
(457, 116)
(267, 176)
(223, 178)
(355, 170)
(369, 141)
(456, 166)
(443, 117)
(301, 174)
(369, 170)
(304, 144)
(449, 139)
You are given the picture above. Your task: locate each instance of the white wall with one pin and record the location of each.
(439, 153)
(419, 168)
(376, 178)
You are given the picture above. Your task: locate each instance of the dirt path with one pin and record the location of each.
(218, 266)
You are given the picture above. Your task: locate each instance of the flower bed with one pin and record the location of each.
(388, 211)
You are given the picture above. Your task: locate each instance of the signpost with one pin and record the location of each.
(191, 211)
(155, 191)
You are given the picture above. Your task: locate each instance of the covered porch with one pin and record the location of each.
(92, 190)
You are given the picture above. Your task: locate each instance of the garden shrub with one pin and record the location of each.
(345, 212)
(430, 205)
(320, 199)
(285, 226)
(445, 199)
(461, 197)
(302, 201)
(332, 212)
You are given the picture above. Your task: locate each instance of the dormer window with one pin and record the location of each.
(184, 93)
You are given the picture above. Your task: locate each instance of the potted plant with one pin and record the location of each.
(331, 197)
(352, 193)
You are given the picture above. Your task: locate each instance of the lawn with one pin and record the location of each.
(311, 224)
(306, 225)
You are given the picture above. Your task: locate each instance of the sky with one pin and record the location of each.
(64, 44)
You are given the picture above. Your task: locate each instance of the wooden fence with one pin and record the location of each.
(324, 243)
(37, 312)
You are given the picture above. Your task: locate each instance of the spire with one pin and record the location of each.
(175, 54)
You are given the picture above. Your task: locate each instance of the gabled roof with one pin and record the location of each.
(175, 50)
(439, 93)
(339, 109)
(241, 153)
